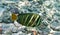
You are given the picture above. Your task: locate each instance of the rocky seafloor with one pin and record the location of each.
(49, 10)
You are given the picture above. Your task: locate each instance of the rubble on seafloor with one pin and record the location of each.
(48, 9)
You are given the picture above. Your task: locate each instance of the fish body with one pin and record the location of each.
(28, 19)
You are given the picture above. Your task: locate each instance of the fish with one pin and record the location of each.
(28, 19)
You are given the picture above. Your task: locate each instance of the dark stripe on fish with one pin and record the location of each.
(29, 19)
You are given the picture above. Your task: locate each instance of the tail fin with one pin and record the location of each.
(14, 17)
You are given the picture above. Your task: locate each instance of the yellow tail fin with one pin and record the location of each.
(13, 17)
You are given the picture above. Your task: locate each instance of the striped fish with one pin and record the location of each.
(28, 19)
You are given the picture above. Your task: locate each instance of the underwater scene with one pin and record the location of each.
(29, 17)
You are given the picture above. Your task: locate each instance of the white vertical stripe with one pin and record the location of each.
(38, 22)
(35, 20)
(26, 19)
(30, 20)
